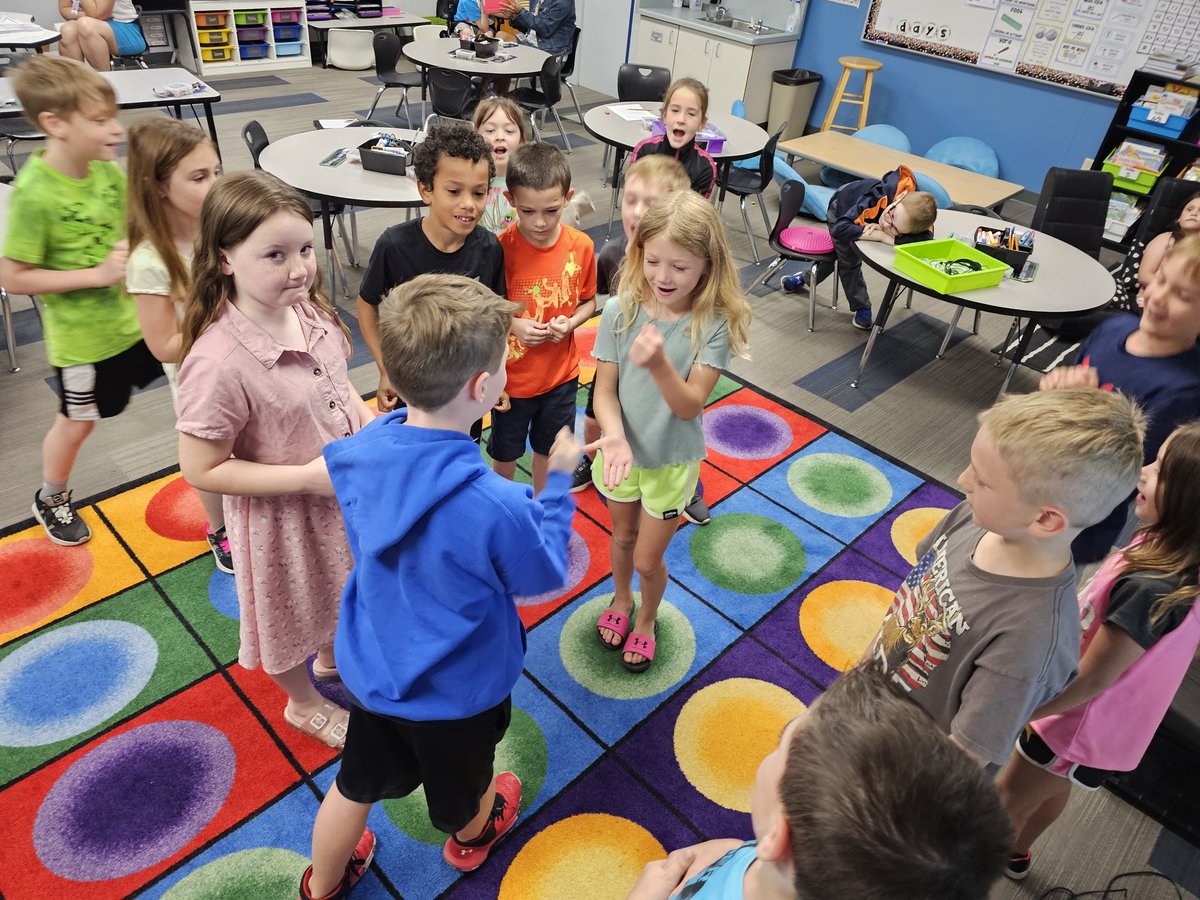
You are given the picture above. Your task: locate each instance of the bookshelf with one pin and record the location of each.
(275, 32)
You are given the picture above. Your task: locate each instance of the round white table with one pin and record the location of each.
(439, 54)
(1068, 283)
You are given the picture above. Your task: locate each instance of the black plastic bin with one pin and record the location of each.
(792, 94)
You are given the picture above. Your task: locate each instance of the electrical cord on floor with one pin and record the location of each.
(1111, 891)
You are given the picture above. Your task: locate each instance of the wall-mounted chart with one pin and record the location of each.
(1093, 45)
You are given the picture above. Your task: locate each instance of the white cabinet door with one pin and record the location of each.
(693, 56)
(728, 74)
(656, 44)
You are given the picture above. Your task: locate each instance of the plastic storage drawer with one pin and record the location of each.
(251, 35)
(253, 51)
(250, 17)
(289, 48)
(285, 16)
(213, 37)
(287, 33)
(216, 54)
(210, 20)
(1139, 120)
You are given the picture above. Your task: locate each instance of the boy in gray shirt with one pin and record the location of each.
(985, 629)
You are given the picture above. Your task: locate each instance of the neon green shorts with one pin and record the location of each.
(663, 492)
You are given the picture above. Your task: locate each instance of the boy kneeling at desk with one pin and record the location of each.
(889, 209)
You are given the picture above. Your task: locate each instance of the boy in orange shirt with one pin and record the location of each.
(550, 269)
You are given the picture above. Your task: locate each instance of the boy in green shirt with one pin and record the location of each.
(66, 243)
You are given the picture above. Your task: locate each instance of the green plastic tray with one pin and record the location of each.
(912, 260)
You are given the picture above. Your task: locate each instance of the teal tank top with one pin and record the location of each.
(724, 878)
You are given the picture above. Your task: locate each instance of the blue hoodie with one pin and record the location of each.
(428, 627)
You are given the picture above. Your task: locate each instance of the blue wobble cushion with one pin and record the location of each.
(930, 185)
(967, 153)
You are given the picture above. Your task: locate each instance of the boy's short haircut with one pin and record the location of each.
(538, 166)
(61, 86)
(921, 209)
(455, 139)
(882, 804)
(1188, 250)
(488, 106)
(664, 172)
(438, 331)
(1079, 449)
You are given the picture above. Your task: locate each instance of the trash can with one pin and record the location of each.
(792, 94)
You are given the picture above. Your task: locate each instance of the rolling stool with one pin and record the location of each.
(852, 64)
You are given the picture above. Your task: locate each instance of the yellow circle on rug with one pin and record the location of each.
(590, 855)
(839, 619)
(911, 526)
(724, 731)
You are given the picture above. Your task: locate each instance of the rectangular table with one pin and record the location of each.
(135, 90)
(867, 160)
(322, 26)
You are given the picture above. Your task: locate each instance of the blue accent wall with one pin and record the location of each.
(1032, 126)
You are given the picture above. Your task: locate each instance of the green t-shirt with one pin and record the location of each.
(61, 223)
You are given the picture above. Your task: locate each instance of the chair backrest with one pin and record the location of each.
(445, 9)
(642, 83)
(1072, 207)
(427, 32)
(551, 79)
(1169, 197)
(351, 49)
(568, 58)
(387, 52)
(976, 210)
(766, 160)
(791, 198)
(256, 139)
(449, 93)
(968, 153)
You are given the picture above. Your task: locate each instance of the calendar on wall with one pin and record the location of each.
(1092, 45)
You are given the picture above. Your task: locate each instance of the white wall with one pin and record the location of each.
(605, 25)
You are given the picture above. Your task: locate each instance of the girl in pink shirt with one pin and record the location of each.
(262, 388)
(1141, 628)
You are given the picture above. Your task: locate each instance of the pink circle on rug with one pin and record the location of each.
(585, 340)
(176, 513)
(746, 432)
(806, 240)
(578, 559)
(37, 578)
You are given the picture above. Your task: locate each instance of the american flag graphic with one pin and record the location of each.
(915, 638)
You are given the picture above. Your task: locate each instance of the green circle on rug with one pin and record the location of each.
(839, 485)
(259, 874)
(523, 751)
(600, 670)
(748, 554)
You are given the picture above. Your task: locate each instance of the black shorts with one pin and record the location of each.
(539, 418)
(101, 390)
(1031, 746)
(589, 408)
(386, 758)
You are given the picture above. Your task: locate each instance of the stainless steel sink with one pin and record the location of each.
(743, 25)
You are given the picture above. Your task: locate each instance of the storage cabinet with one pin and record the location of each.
(656, 43)
(248, 35)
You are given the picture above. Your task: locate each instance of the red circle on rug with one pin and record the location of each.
(585, 340)
(37, 578)
(175, 512)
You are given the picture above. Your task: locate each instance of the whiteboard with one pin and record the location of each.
(1093, 45)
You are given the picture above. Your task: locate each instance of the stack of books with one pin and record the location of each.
(1191, 173)
(1142, 155)
(1171, 66)
(1123, 212)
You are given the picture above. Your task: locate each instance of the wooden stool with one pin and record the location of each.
(849, 64)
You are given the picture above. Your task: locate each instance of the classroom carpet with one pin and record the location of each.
(139, 759)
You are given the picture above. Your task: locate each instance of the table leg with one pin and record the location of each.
(723, 178)
(327, 234)
(1018, 355)
(212, 128)
(618, 158)
(949, 332)
(885, 310)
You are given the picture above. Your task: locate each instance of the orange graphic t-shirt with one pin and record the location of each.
(548, 282)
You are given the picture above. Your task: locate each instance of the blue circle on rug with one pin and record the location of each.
(746, 432)
(578, 560)
(134, 801)
(93, 670)
(222, 594)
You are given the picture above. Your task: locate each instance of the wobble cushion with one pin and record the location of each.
(967, 153)
(803, 239)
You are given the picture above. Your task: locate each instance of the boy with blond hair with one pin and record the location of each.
(550, 269)
(985, 629)
(66, 243)
(441, 547)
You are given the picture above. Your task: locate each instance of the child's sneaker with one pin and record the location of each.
(470, 856)
(862, 319)
(793, 283)
(582, 479)
(359, 862)
(218, 542)
(1017, 866)
(697, 511)
(63, 525)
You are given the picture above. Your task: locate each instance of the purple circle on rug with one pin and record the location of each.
(578, 559)
(746, 432)
(134, 800)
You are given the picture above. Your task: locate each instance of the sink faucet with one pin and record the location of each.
(756, 24)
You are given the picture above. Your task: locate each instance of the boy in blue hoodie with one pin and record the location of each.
(429, 644)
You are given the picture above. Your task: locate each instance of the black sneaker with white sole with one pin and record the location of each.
(582, 479)
(1017, 866)
(697, 511)
(63, 525)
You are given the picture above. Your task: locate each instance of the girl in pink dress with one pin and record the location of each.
(262, 388)
(1141, 627)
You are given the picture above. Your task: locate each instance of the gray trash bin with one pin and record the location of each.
(792, 94)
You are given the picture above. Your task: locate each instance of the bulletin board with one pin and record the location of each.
(1092, 45)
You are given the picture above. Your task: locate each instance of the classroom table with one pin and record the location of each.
(868, 160)
(135, 90)
(296, 160)
(19, 32)
(1068, 283)
(439, 54)
(321, 27)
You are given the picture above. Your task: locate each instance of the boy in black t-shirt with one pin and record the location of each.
(454, 167)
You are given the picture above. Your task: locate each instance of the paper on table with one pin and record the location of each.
(630, 112)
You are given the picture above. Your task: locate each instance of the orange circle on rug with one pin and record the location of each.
(911, 526)
(37, 578)
(839, 619)
(175, 512)
(724, 731)
(565, 858)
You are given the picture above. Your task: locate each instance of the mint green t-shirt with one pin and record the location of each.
(61, 223)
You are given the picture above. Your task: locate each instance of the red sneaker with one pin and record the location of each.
(356, 868)
(470, 856)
